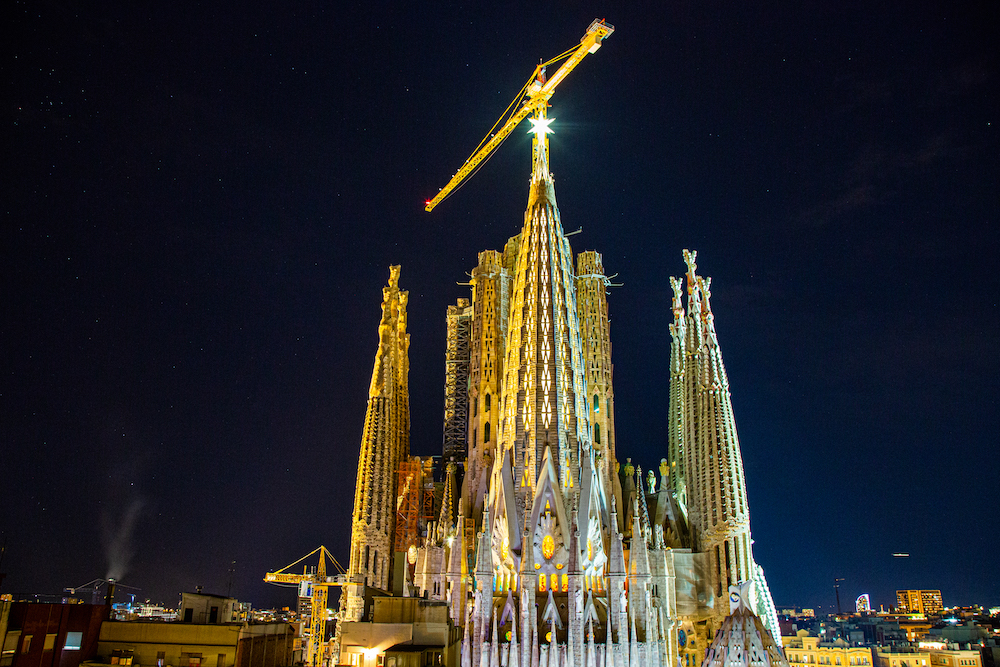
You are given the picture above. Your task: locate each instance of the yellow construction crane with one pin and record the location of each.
(533, 99)
(313, 585)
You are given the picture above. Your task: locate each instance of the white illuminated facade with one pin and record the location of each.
(544, 545)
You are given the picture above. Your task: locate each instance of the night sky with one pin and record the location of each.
(201, 202)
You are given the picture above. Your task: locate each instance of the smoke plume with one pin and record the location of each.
(118, 538)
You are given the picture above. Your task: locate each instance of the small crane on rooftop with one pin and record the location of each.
(313, 585)
(533, 100)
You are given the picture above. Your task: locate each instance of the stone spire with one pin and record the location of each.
(528, 585)
(483, 598)
(638, 570)
(645, 529)
(466, 647)
(512, 650)
(495, 646)
(595, 331)
(609, 644)
(677, 404)
(457, 575)
(723, 522)
(544, 387)
(692, 348)
(384, 444)
(575, 603)
(617, 605)
(713, 465)
(591, 649)
(445, 523)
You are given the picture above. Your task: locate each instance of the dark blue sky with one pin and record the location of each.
(201, 201)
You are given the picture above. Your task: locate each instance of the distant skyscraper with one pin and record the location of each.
(545, 548)
(919, 602)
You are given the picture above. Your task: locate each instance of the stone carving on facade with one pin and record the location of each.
(530, 551)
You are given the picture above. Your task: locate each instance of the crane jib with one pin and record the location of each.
(537, 100)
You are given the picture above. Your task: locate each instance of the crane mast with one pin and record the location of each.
(318, 585)
(534, 98)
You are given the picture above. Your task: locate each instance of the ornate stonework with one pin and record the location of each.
(547, 550)
(385, 445)
(743, 640)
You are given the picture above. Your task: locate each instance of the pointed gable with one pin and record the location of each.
(548, 517)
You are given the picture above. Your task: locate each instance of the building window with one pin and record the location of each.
(121, 657)
(486, 432)
(73, 641)
(486, 401)
(597, 434)
(10, 646)
(161, 657)
(50, 642)
(26, 644)
(597, 403)
(222, 660)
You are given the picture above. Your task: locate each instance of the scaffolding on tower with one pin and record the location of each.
(456, 382)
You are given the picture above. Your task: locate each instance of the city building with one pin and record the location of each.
(803, 650)
(915, 629)
(955, 657)
(927, 603)
(207, 608)
(178, 644)
(404, 632)
(49, 635)
(537, 534)
(901, 656)
(960, 633)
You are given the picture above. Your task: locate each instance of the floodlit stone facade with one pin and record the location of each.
(547, 548)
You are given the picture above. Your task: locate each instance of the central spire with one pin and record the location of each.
(544, 388)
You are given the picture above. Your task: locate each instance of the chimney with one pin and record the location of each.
(110, 597)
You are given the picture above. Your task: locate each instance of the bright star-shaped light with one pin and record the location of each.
(540, 126)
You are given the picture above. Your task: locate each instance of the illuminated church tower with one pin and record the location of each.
(385, 446)
(706, 463)
(543, 545)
